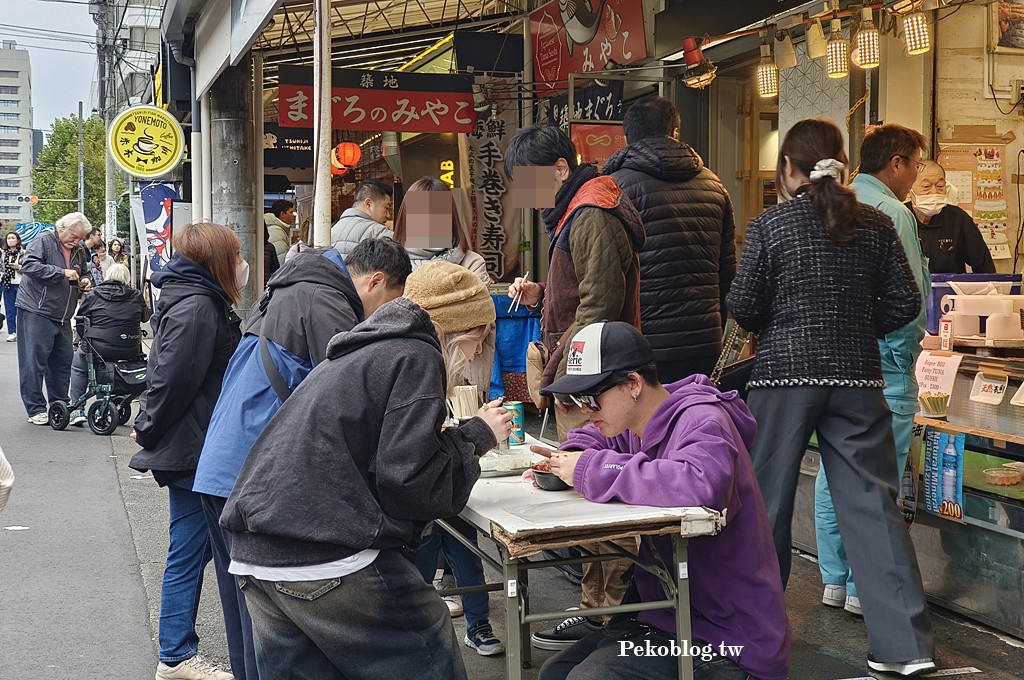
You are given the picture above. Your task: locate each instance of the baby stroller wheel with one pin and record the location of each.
(59, 415)
(103, 417)
(124, 410)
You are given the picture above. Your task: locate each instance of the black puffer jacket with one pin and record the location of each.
(195, 333)
(115, 313)
(689, 259)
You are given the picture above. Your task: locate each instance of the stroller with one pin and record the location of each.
(115, 378)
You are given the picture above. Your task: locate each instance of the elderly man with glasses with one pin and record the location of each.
(681, 444)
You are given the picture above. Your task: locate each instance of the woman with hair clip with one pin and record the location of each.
(823, 276)
(321, 536)
(195, 333)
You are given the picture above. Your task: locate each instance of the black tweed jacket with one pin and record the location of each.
(819, 307)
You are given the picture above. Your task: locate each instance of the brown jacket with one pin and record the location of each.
(595, 270)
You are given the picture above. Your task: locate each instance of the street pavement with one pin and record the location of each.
(80, 585)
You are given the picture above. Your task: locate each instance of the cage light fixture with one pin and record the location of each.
(838, 62)
(816, 44)
(785, 52)
(700, 72)
(904, 7)
(767, 73)
(915, 33)
(867, 47)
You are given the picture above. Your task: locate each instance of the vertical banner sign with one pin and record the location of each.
(975, 162)
(943, 474)
(578, 37)
(111, 220)
(496, 225)
(589, 103)
(156, 210)
(375, 100)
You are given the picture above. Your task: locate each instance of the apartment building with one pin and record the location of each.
(16, 140)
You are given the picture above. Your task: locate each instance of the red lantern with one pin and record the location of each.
(343, 157)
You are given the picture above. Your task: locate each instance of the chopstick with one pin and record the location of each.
(519, 295)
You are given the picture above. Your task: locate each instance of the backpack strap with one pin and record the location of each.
(277, 380)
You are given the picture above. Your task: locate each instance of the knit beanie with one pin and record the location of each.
(453, 296)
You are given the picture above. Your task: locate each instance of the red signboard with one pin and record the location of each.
(597, 142)
(374, 100)
(577, 37)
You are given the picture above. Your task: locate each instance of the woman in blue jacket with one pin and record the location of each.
(195, 333)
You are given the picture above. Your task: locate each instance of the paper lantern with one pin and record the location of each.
(348, 153)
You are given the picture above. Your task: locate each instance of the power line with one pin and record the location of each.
(48, 31)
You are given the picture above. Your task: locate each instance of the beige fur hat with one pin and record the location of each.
(453, 296)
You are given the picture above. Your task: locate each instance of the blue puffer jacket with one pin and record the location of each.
(309, 300)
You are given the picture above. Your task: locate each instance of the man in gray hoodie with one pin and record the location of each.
(54, 274)
(365, 219)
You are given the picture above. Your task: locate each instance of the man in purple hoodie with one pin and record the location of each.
(677, 445)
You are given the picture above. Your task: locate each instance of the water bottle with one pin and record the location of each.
(949, 460)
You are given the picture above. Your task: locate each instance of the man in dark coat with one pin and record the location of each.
(689, 259)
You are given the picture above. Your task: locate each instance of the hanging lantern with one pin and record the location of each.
(785, 53)
(867, 53)
(767, 73)
(700, 72)
(838, 63)
(343, 157)
(816, 45)
(915, 33)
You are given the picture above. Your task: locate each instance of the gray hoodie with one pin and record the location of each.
(356, 458)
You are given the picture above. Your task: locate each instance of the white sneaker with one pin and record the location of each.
(40, 419)
(196, 668)
(77, 418)
(12, 337)
(454, 605)
(853, 605)
(904, 668)
(834, 596)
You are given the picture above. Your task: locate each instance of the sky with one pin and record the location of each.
(60, 79)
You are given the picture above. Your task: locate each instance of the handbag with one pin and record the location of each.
(735, 375)
(537, 357)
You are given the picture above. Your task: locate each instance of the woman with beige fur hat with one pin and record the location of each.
(367, 466)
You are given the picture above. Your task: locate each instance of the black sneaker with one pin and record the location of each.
(904, 668)
(565, 634)
(573, 573)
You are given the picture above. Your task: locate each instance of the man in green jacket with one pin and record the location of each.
(890, 162)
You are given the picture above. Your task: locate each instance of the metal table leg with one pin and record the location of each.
(513, 619)
(683, 632)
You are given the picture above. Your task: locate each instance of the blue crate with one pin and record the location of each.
(941, 288)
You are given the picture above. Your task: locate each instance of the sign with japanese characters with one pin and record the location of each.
(597, 142)
(377, 100)
(146, 141)
(578, 37)
(588, 103)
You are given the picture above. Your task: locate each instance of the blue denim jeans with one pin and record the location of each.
(467, 568)
(832, 561)
(10, 296)
(383, 621)
(187, 556)
(599, 657)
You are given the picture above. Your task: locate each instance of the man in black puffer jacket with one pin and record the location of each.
(689, 259)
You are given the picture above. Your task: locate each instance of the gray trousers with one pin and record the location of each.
(44, 352)
(855, 437)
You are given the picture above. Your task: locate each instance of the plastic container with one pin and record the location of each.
(941, 288)
(1002, 476)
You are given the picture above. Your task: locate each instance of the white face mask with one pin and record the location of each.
(930, 204)
(242, 274)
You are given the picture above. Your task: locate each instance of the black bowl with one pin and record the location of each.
(549, 481)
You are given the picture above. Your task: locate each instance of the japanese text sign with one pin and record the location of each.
(597, 143)
(373, 100)
(145, 141)
(571, 37)
(589, 103)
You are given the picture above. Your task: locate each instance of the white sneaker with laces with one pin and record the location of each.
(77, 418)
(853, 605)
(40, 419)
(454, 605)
(12, 337)
(196, 668)
(834, 596)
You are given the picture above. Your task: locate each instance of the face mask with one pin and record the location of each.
(241, 274)
(930, 204)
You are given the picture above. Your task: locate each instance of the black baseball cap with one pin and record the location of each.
(597, 351)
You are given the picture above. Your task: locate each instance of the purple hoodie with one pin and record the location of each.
(695, 452)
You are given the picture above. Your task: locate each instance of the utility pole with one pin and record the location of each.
(81, 161)
(108, 108)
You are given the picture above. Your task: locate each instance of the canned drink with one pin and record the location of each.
(518, 434)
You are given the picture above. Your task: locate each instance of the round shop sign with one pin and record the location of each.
(146, 141)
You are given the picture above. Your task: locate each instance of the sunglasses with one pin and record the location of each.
(588, 400)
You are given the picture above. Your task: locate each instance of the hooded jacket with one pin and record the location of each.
(279, 234)
(44, 289)
(354, 226)
(113, 306)
(307, 303)
(695, 453)
(594, 273)
(689, 259)
(195, 332)
(356, 457)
